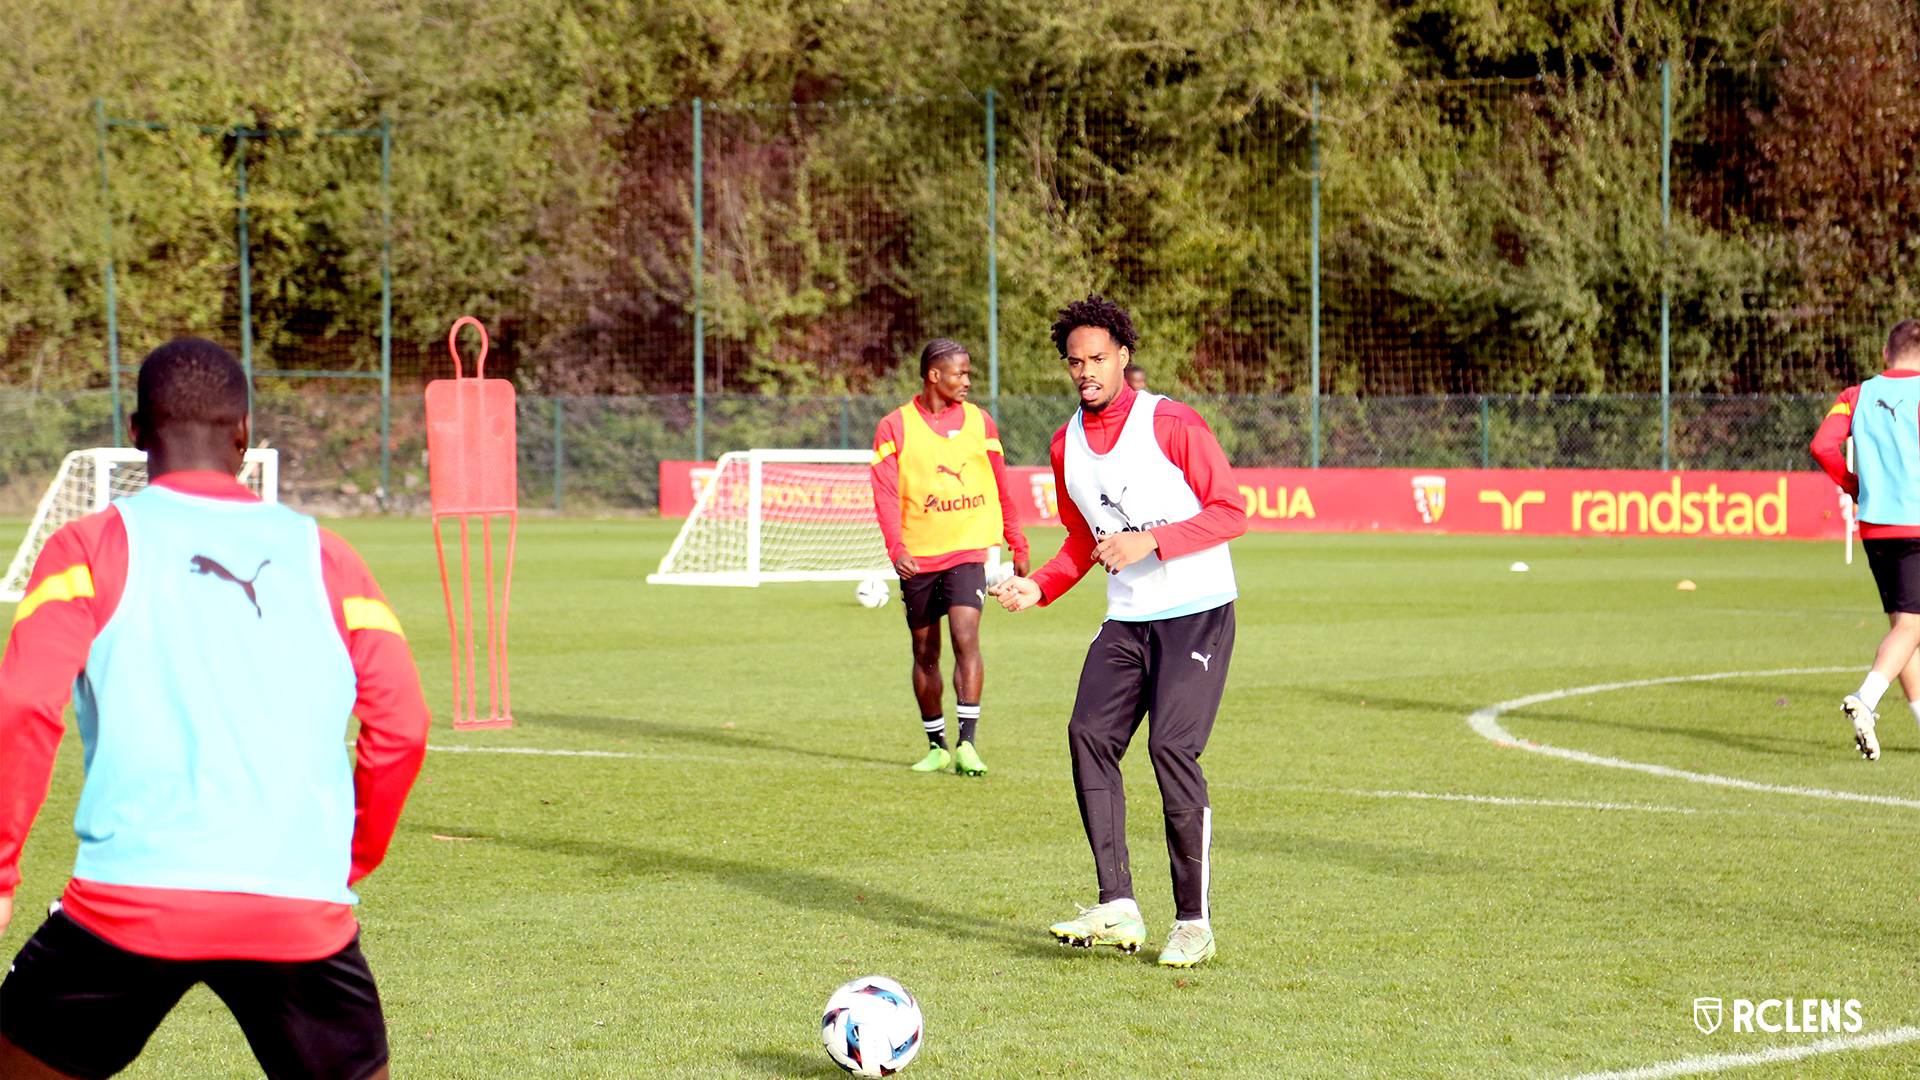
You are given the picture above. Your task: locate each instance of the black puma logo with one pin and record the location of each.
(1114, 505)
(204, 565)
(955, 473)
(1887, 405)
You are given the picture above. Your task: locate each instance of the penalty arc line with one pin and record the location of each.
(1486, 723)
(1711, 1063)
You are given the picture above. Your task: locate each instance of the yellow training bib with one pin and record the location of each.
(948, 500)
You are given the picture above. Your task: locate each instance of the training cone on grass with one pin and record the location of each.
(473, 473)
(1686, 586)
(1519, 568)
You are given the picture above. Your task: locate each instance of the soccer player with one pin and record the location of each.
(214, 646)
(1136, 378)
(940, 490)
(1883, 417)
(1152, 499)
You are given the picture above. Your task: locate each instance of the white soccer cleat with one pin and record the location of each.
(1863, 718)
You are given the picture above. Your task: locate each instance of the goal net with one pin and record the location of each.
(90, 479)
(780, 515)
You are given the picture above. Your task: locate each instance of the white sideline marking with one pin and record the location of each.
(1709, 1063)
(1486, 722)
(1512, 800)
(530, 750)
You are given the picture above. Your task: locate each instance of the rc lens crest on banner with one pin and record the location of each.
(1706, 1015)
(1430, 497)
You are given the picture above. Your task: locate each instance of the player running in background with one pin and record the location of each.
(940, 491)
(214, 646)
(1152, 499)
(1883, 417)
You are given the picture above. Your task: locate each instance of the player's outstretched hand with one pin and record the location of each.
(1016, 593)
(6, 912)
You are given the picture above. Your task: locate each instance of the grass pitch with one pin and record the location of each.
(686, 908)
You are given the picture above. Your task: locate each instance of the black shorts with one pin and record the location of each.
(928, 596)
(1896, 570)
(86, 1007)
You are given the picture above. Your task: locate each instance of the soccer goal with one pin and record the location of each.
(88, 480)
(780, 515)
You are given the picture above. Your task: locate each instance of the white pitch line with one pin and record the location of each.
(1486, 722)
(1511, 800)
(1713, 1063)
(531, 750)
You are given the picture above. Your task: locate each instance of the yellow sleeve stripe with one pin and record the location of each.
(884, 451)
(366, 613)
(1840, 408)
(73, 583)
(994, 445)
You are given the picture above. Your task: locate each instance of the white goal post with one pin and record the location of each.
(89, 480)
(780, 515)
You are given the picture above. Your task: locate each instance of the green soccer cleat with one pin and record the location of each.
(1190, 943)
(1103, 924)
(937, 760)
(966, 760)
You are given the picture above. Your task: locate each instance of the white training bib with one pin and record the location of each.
(1133, 488)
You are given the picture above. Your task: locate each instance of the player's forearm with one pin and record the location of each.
(1215, 524)
(886, 504)
(1009, 510)
(31, 703)
(392, 745)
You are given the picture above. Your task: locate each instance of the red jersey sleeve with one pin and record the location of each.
(73, 590)
(886, 483)
(1829, 441)
(1016, 540)
(1075, 559)
(1189, 443)
(391, 709)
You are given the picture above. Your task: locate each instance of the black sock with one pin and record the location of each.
(936, 726)
(969, 716)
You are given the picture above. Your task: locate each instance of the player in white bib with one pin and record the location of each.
(1152, 499)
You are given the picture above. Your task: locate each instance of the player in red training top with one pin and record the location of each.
(1151, 498)
(939, 511)
(214, 646)
(1883, 417)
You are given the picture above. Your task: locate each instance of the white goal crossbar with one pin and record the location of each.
(89, 480)
(780, 515)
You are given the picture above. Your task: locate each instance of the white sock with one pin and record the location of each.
(1915, 706)
(1127, 905)
(1871, 690)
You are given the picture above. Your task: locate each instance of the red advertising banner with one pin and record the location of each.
(1529, 502)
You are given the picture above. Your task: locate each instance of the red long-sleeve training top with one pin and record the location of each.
(1829, 445)
(888, 439)
(1189, 443)
(53, 633)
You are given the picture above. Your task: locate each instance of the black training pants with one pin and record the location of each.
(1174, 670)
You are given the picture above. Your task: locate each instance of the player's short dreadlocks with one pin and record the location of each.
(1098, 311)
(937, 350)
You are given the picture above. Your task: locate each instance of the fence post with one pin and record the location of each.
(113, 311)
(246, 263)
(993, 276)
(1483, 432)
(845, 402)
(1666, 278)
(386, 307)
(699, 308)
(1313, 346)
(559, 453)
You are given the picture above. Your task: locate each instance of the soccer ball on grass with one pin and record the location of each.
(871, 1027)
(872, 592)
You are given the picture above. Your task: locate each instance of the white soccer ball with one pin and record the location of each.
(871, 1027)
(872, 592)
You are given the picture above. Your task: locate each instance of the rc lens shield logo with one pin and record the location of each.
(1430, 497)
(1799, 1015)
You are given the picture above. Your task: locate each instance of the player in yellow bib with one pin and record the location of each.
(940, 492)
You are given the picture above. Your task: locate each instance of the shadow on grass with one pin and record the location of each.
(1372, 858)
(627, 727)
(774, 1062)
(800, 889)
